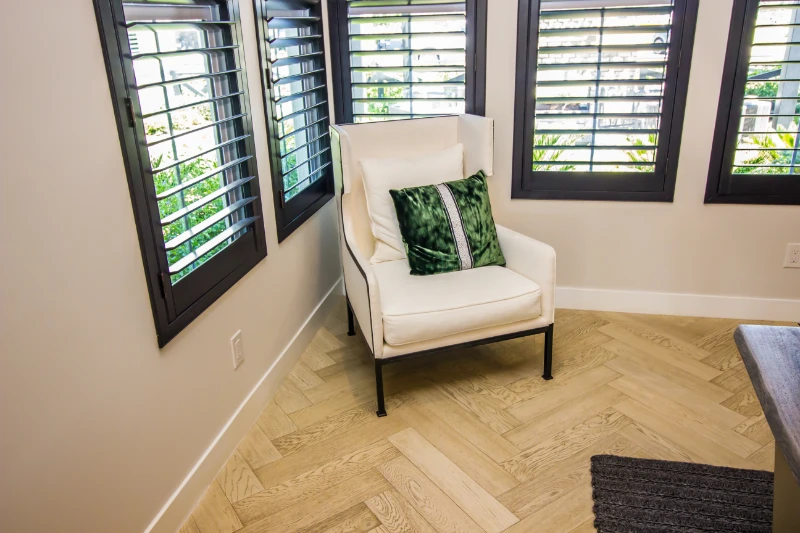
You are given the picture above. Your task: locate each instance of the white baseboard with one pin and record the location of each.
(185, 498)
(663, 303)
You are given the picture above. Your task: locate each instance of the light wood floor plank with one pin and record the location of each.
(341, 402)
(757, 429)
(531, 496)
(565, 417)
(303, 377)
(654, 445)
(691, 419)
(470, 459)
(544, 455)
(237, 479)
(563, 391)
(744, 402)
(699, 448)
(764, 458)
(724, 359)
(652, 337)
(358, 378)
(566, 368)
(469, 426)
(318, 454)
(189, 526)
(305, 513)
(257, 449)
(702, 405)
(214, 513)
(629, 344)
(331, 427)
(396, 514)
(437, 509)
(290, 398)
(278, 497)
(491, 412)
(274, 422)
(357, 519)
(564, 514)
(472, 381)
(481, 506)
(637, 364)
(733, 380)
(586, 527)
(316, 358)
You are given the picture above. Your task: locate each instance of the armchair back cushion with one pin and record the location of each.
(383, 175)
(405, 138)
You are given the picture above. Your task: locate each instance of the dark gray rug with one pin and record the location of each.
(648, 496)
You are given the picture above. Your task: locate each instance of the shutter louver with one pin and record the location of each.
(407, 58)
(295, 79)
(600, 85)
(190, 91)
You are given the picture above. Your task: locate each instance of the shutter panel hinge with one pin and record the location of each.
(129, 110)
(475, 62)
(283, 198)
(163, 280)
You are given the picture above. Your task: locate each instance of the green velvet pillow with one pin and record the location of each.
(448, 227)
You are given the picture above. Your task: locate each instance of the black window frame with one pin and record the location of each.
(175, 306)
(291, 214)
(723, 186)
(340, 58)
(601, 186)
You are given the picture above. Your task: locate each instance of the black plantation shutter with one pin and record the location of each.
(177, 78)
(409, 58)
(604, 95)
(756, 152)
(296, 91)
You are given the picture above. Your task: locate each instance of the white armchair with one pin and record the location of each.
(405, 316)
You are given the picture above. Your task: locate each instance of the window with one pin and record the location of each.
(296, 92)
(180, 96)
(601, 86)
(408, 58)
(755, 154)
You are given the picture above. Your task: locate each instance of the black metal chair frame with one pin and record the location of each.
(380, 363)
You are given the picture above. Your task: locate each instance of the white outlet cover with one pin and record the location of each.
(792, 256)
(237, 349)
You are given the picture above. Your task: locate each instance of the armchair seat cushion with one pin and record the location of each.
(420, 308)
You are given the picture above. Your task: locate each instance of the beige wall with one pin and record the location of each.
(98, 426)
(682, 247)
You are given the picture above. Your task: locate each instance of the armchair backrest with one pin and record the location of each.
(403, 138)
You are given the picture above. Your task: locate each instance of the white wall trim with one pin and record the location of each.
(180, 505)
(663, 303)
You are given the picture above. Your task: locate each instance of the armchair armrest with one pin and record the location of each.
(360, 283)
(533, 259)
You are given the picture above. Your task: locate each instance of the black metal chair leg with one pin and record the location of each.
(548, 353)
(351, 323)
(379, 386)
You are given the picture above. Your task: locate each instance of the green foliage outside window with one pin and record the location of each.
(543, 156)
(643, 156)
(382, 108)
(168, 179)
(781, 141)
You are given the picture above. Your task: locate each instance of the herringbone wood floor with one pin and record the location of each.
(475, 440)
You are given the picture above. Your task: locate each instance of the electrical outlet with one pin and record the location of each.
(237, 349)
(792, 256)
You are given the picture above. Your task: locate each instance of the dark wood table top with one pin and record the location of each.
(772, 357)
